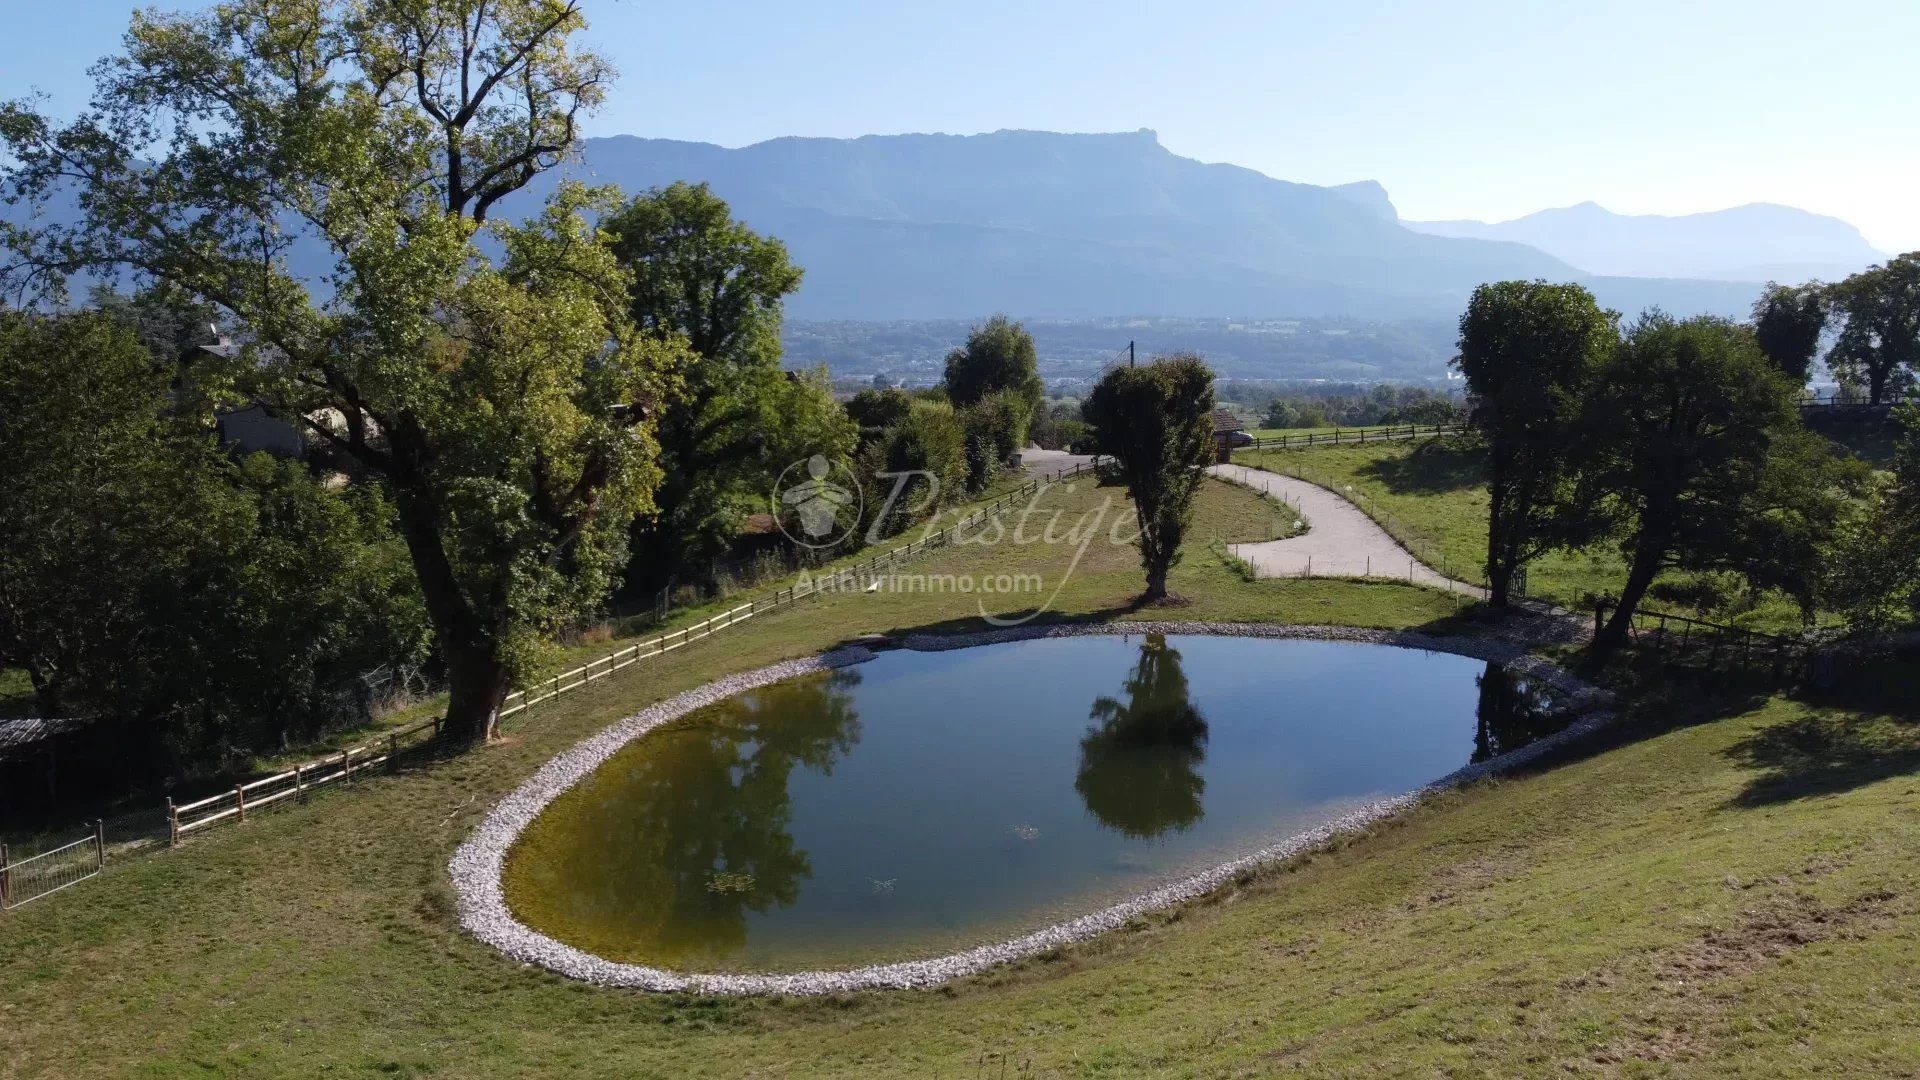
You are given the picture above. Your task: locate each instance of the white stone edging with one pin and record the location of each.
(477, 864)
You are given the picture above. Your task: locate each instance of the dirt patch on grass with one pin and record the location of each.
(1654, 1046)
(1760, 936)
(1455, 880)
(1766, 932)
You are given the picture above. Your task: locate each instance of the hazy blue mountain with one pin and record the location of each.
(1757, 242)
(923, 226)
(1074, 226)
(1056, 226)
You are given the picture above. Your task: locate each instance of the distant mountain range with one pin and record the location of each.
(1075, 226)
(1056, 226)
(1757, 242)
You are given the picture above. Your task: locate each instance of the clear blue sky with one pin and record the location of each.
(1462, 108)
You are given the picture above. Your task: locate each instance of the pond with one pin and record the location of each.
(925, 802)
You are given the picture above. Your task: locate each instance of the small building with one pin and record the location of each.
(31, 751)
(1229, 431)
(242, 429)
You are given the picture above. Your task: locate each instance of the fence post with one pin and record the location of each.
(393, 752)
(346, 763)
(99, 844)
(300, 781)
(6, 877)
(240, 793)
(173, 824)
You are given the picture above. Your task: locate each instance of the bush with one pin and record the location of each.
(916, 466)
(996, 429)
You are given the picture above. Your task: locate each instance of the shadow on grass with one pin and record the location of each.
(973, 624)
(1432, 468)
(1653, 697)
(1866, 729)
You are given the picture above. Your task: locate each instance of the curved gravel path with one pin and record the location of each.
(476, 866)
(1340, 541)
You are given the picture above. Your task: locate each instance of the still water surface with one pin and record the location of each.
(925, 802)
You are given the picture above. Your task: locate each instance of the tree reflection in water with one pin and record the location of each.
(1513, 712)
(1140, 759)
(694, 832)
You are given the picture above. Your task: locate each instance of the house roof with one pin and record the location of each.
(19, 734)
(1224, 421)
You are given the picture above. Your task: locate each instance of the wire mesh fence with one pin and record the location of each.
(29, 879)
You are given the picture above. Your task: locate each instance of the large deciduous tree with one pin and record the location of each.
(999, 356)
(737, 419)
(1529, 351)
(1879, 342)
(1874, 574)
(1705, 464)
(1156, 421)
(1787, 323)
(239, 154)
(200, 606)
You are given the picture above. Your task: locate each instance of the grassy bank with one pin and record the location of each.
(1728, 890)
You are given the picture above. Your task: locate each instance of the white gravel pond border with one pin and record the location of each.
(477, 864)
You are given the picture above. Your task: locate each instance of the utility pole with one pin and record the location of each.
(1129, 354)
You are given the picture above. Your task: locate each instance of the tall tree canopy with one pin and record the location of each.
(1529, 351)
(1787, 323)
(504, 401)
(1156, 421)
(1704, 463)
(737, 419)
(998, 356)
(201, 606)
(1875, 572)
(1879, 343)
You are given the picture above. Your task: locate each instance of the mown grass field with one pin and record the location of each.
(1728, 887)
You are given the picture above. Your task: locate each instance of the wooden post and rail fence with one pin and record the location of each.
(1343, 436)
(1780, 653)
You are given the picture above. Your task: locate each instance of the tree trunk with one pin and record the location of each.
(1156, 584)
(476, 673)
(1499, 582)
(1646, 564)
(1499, 567)
(476, 685)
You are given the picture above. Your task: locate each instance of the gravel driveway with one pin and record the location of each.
(1340, 541)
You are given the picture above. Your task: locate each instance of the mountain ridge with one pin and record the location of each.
(1759, 240)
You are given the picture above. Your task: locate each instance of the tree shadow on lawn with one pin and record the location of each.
(974, 624)
(1653, 697)
(1435, 467)
(1861, 729)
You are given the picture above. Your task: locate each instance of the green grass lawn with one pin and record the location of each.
(1728, 887)
(16, 693)
(1432, 495)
